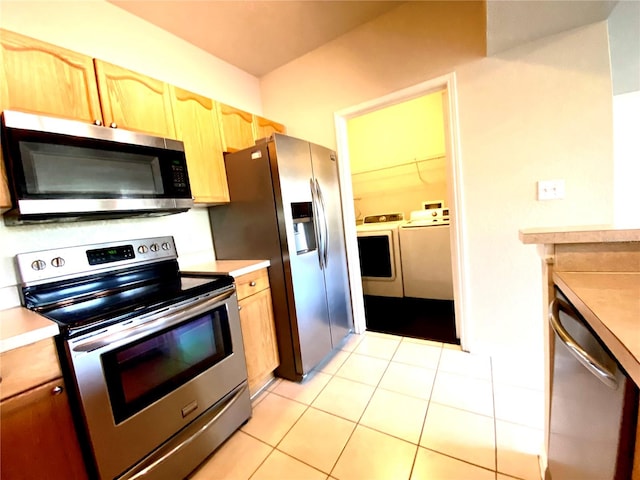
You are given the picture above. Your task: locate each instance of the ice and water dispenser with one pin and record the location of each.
(303, 227)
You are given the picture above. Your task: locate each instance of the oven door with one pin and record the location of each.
(141, 382)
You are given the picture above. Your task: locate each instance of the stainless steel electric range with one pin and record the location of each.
(153, 358)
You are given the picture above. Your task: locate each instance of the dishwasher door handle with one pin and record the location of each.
(590, 363)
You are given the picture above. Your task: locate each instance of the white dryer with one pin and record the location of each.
(426, 255)
(379, 250)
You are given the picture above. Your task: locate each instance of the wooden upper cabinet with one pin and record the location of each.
(196, 121)
(263, 127)
(236, 128)
(42, 78)
(5, 196)
(134, 101)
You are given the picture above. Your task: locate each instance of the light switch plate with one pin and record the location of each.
(550, 189)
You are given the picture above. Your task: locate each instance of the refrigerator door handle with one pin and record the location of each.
(325, 236)
(590, 363)
(316, 226)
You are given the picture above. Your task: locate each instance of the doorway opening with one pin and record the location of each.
(358, 179)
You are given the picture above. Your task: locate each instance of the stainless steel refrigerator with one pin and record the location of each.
(285, 206)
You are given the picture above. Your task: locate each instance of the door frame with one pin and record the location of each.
(454, 178)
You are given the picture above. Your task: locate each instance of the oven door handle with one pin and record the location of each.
(182, 440)
(150, 322)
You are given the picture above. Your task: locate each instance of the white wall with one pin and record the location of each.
(411, 43)
(102, 30)
(397, 157)
(541, 111)
(626, 122)
(624, 39)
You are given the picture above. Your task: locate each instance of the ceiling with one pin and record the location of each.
(259, 36)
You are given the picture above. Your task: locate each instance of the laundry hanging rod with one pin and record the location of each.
(406, 164)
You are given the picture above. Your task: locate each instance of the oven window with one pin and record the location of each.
(375, 256)
(142, 372)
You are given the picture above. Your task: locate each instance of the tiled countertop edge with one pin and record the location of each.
(579, 234)
(235, 268)
(20, 327)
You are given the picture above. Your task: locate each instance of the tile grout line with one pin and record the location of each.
(495, 424)
(308, 406)
(424, 420)
(366, 406)
(273, 448)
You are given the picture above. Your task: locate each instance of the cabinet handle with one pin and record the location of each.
(97, 122)
(252, 284)
(113, 125)
(239, 307)
(57, 390)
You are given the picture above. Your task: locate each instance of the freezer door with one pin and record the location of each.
(325, 173)
(291, 161)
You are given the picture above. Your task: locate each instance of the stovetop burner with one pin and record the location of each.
(84, 288)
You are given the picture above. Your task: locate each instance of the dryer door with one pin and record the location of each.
(380, 263)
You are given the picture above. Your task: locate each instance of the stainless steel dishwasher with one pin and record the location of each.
(593, 403)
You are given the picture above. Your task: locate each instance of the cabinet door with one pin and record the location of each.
(134, 101)
(259, 338)
(197, 126)
(5, 196)
(237, 128)
(263, 127)
(41, 78)
(38, 436)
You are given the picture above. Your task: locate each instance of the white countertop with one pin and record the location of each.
(579, 234)
(20, 326)
(235, 268)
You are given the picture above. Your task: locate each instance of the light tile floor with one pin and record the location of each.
(388, 407)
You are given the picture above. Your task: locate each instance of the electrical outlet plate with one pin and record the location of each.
(550, 189)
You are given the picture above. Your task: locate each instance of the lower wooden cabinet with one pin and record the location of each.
(38, 436)
(258, 328)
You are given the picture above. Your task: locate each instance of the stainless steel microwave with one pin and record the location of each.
(67, 170)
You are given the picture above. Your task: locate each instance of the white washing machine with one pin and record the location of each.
(426, 255)
(379, 250)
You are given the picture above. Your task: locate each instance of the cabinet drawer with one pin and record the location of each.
(27, 367)
(251, 283)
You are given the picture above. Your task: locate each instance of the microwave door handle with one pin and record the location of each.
(316, 226)
(325, 246)
(590, 363)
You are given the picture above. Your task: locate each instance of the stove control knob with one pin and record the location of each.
(155, 247)
(143, 249)
(433, 214)
(166, 246)
(38, 265)
(57, 262)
